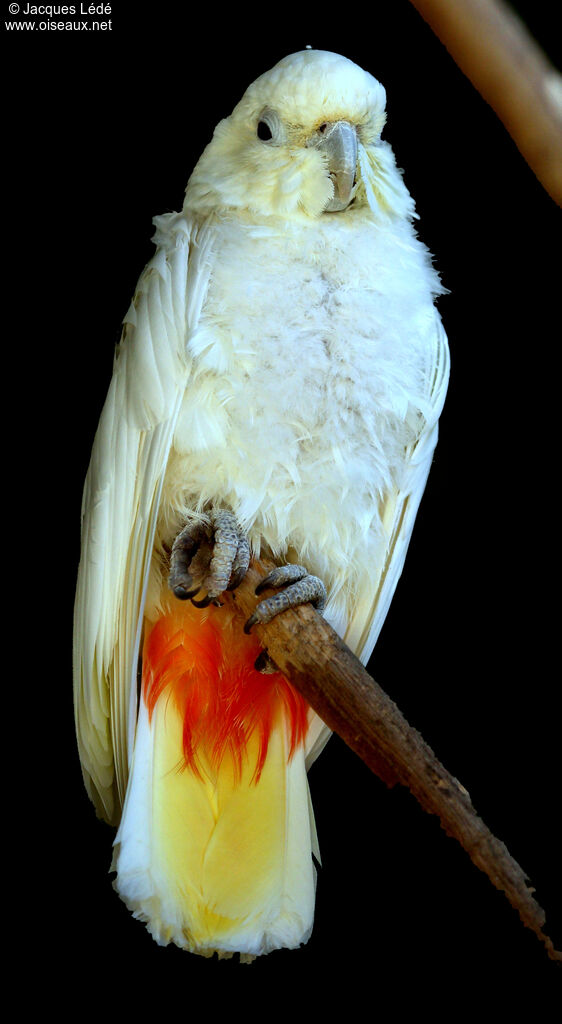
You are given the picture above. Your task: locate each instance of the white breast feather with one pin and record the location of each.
(297, 414)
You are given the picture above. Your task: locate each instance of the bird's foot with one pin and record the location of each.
(211, 556)
(300, 588)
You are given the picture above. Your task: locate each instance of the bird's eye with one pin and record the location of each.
(269, 127)
(264, 131)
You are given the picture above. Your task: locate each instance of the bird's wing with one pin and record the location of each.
(398, 513)
(400, 507)
(121, 499)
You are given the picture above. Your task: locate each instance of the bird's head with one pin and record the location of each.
(303, 142)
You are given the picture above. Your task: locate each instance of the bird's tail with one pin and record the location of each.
(214, 847)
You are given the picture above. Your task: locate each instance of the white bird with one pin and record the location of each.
(277, 390)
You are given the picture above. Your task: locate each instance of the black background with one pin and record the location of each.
(103, 131)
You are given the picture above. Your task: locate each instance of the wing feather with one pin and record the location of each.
(401, 507)
(121, 500)
(398, 516)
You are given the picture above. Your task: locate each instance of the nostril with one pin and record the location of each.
(322, 128)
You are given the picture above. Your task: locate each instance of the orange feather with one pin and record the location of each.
(203, 661)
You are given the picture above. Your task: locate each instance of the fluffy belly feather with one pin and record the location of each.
(298, 415)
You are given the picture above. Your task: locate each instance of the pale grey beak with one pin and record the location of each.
(338, 140)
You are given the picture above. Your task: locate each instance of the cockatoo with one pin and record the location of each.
(276, 390)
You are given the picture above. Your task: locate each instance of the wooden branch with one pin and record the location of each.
(496, 52)
(350, 702)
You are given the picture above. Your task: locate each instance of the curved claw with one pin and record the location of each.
(251, 622)
(206, 601)
(182, 594)
(203, 603)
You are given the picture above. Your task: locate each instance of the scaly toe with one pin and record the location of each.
(240, 563)
(305, 590)
(282, 575)
(213, 557)
(183, 557)
(231, 555)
